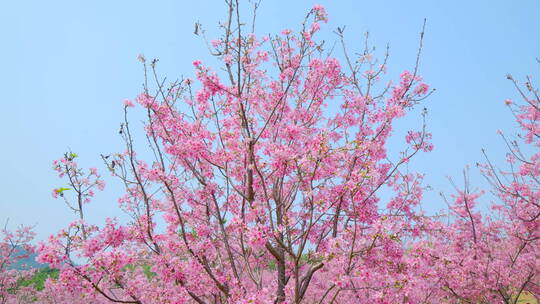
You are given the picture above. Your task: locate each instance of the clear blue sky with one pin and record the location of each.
(67, 66)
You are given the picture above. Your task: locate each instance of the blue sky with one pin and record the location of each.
(67, 66)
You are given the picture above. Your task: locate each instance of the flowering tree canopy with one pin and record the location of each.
(494, 258)
(14, 249)
(270, 181)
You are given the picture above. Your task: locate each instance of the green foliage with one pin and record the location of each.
(39, 278)
(145, 267)
(72, 156)
(61, 190)
(147, 272)
(272, 264)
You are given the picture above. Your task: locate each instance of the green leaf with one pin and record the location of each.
(61, 190)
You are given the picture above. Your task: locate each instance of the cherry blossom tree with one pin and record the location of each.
(14, 248)
(264, 185)
(493, 257)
